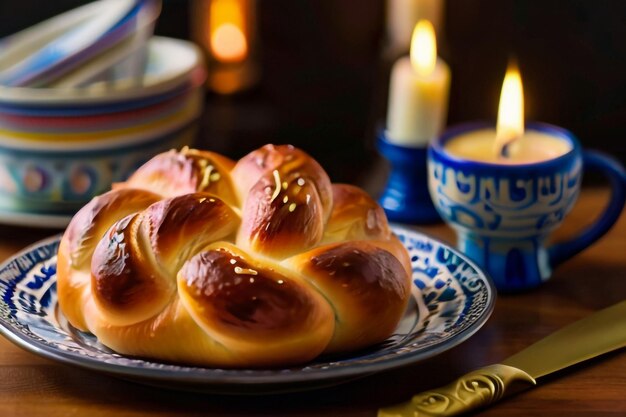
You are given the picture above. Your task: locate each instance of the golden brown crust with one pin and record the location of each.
(126, 286)
(290, 163)
(397, 249)
(172, 335)
(72, 288)
(355, 216)
(93, 220)
(281, 217)
(179, 227)
(243, 303)
(79, 242)
(241, 300)
(367, 286)
(135, 264)
(182, 172)
(152, 268)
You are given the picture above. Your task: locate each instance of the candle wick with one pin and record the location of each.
(505, 151)
(505, 148)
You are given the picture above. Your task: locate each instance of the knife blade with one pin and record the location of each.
(599, 333)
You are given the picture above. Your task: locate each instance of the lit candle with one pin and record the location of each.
(225, 30)
(509, 142)
(418, 92)
(402, 15)
(227, 35)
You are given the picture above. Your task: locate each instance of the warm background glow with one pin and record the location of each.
(424, 48)
(510, 125)
(227, 30)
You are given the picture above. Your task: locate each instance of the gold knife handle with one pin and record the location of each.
(471, 391)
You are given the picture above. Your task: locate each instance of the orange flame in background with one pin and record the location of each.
(227, 34)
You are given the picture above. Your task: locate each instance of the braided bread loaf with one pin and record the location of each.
(199, 260)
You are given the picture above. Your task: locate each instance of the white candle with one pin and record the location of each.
(508, 143)
(418, 92)
(533, 146)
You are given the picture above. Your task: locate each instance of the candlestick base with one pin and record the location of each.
(405, 198)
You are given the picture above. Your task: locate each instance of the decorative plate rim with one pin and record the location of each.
(217, 376)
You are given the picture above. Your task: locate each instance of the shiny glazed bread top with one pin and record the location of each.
(197, 259)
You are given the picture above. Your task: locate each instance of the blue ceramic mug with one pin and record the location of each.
(503, 214)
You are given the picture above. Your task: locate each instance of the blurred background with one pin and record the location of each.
(322, 71)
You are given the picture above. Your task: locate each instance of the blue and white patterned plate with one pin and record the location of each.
(456, 299)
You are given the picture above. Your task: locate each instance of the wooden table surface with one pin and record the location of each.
(33, 386)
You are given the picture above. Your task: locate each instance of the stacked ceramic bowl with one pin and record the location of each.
(75, 117)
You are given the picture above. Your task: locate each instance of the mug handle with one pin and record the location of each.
(614, 171)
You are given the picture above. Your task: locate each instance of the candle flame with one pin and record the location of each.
(424, 48)
(510, 125)
(227, 36)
